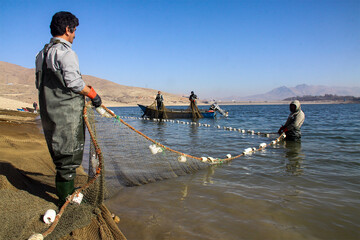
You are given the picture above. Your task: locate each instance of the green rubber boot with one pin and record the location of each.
(63, 190)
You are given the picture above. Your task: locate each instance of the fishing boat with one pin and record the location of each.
(168, 113)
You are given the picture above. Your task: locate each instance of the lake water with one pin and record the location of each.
(307, 190)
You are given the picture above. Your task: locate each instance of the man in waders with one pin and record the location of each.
(292, 126)
(61, 98)
(159, 100)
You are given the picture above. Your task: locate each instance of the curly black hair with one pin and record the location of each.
(60, 21)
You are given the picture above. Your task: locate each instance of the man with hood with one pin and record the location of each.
(61, 98)
(292, 126)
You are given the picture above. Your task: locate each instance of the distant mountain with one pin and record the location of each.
(283, 92)
(326, 97)
(18, 83)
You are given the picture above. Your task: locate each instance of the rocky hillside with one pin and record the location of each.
(18, 83)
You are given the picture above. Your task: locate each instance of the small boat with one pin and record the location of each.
(169, 113)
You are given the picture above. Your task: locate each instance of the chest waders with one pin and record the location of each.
(61, 112)
(159, 100)
(293, 135)
(294, 124)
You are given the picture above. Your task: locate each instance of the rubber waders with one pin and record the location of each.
(63, 190)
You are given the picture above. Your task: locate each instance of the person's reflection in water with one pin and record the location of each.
(161, 130)
(208, 176)
(194, 138)
(184, 192)
(295, 157)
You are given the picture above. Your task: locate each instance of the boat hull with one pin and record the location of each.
(173, 113)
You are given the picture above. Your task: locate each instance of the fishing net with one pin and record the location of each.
(157, 111)
(84, 216)
(122, 156)
(161, 112)
(195, 110)
(132, 158)
(27, 189)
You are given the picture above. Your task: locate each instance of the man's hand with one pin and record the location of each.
(282, 129)
(95, 98)
(96, 101)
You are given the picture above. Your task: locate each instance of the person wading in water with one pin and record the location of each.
(293, 124)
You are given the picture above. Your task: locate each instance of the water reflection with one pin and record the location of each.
(295, 157)
(160, 130)
(194, 138)
(184, 193)
(208, 177)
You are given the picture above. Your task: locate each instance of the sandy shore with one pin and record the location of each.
(27, 180)
(11, 104)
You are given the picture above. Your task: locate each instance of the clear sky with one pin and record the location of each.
(213, 47)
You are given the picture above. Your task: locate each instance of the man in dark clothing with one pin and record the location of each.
(292, 126)
(159, 100)
(35, 107)
(192, 97)
(61, 98)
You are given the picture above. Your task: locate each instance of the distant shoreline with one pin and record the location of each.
(239, 103)
(11, 104)
(279, 102)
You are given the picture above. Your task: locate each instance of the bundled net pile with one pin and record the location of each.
(195, 110)
(90, 219)
(158, 113)
(27, 189)
(153, 112)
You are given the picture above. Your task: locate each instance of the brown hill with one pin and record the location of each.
(18, 83)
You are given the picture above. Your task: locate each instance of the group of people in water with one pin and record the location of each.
(291, 128)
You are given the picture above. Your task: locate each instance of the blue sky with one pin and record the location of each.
(213, 47)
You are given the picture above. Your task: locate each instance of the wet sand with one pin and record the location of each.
(26, 170)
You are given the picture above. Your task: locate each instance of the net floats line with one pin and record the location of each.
(158, 147)
(230, 129)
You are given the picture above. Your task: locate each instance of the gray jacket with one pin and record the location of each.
(294, 122)
(61, 107)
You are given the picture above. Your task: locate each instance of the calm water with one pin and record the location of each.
(309, 190)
